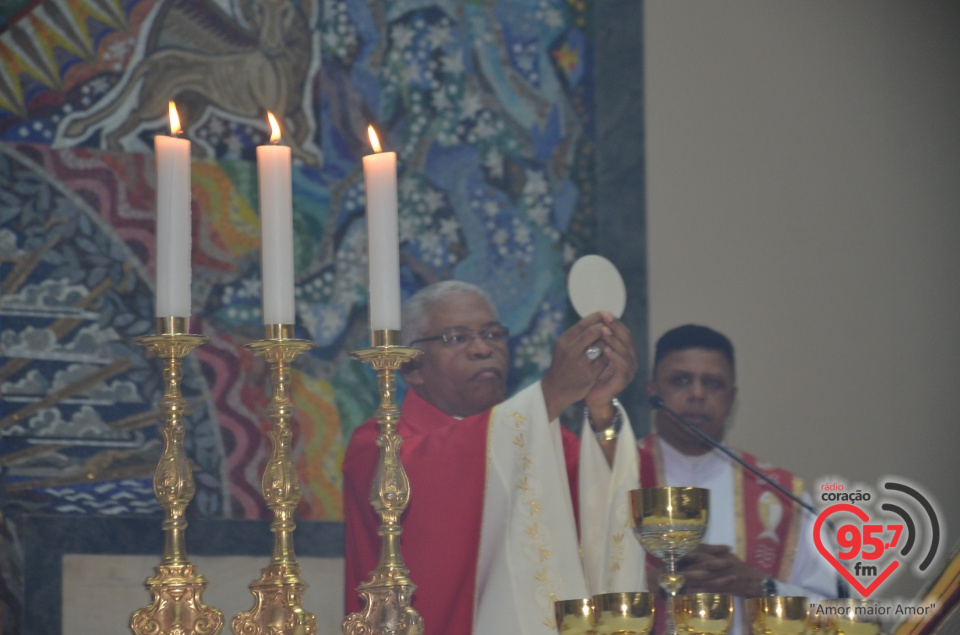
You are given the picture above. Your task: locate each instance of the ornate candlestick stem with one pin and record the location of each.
(278, 594)
(176, 589)
(389, 591)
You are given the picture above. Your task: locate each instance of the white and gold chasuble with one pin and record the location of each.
(529, 551)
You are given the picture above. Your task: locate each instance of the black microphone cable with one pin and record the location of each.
(657, 402)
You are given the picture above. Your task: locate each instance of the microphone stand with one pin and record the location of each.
(657, 402)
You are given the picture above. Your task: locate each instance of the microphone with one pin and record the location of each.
(657, 402)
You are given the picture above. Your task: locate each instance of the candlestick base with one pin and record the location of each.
(277, 605)
(387, 610)
(278, 594)
(177, 606)
(388, 594)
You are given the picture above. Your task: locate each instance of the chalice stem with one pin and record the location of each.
(671, 582)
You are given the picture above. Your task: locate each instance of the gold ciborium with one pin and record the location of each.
(818, 623)
(780, 615)
(703, 613)
(623, 613)
(669, 522)
(852, 619)
(574, 617)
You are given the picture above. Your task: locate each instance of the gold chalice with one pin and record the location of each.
(623, 613)
(574, 617)
(703, 613)
(853, 620)
(779, 615)
(670, 522)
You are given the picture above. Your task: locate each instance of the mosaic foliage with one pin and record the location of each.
(488, 105)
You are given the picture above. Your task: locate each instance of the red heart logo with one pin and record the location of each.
(862, 515)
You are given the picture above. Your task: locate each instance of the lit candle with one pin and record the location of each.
(276, 228)
(383, 237)
(173, 222)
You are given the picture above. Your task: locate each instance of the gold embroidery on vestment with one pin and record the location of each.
(739, 519)
(790, 550)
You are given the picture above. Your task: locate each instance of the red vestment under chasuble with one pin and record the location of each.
(446, 460)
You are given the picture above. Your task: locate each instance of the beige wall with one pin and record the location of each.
(804, 197)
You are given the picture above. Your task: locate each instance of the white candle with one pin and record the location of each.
(173, 222)
(276, 229)
(383, 237)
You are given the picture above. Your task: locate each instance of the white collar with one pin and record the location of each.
(701, 466)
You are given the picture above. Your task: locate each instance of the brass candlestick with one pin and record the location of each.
(278, 594)
(177, 607)
(389, 591)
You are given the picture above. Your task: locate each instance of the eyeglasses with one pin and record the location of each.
(457, 336)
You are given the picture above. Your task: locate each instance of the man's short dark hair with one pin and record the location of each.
(693, 336)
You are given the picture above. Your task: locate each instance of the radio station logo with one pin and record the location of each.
(869, 537)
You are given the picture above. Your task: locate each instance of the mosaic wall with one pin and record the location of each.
(488, 104)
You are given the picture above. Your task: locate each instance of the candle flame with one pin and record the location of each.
(274, 128)
(374, 141)
(175, 128)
